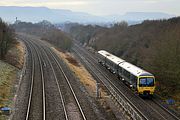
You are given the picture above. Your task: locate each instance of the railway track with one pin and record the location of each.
(161, 109)
(52, 60)
(62, 111)
(54, 56)
(36, 102)
(52, 112)
(55, 63)
(22, 101)
(152, 111)
(153, 103)
(54, 88)
(133, 110)
(49, 90)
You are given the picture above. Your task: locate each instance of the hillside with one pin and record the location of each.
(153, 45)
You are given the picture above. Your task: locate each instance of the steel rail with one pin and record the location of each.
(141, 114)
(165, 109)
(59, 89)
(70, 86)
(32, 83)
(121, 92)
(156, 111)
(162, 107)
(67, 80)
(43, 84)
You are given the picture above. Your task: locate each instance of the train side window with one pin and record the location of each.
(105, 60)
(111, 63)
(126, 73)
(116, 67)
(134, 79)
(120, 69)
(123, 71)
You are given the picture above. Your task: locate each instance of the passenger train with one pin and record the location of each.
(138, 79)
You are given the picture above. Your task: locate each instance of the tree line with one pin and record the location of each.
(46, 31)
(6, 38)
(153, 45)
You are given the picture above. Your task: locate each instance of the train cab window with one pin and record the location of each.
(146, 82)
(150, 81)
(142, 82)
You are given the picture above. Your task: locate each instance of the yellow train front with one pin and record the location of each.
(146, 85)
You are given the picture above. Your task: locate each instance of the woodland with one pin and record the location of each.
(153, 45)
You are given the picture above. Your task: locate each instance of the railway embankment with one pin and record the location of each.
(89, 83)
(152, 45)
(10, 71)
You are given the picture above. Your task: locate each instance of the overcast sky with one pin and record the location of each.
(103, 7)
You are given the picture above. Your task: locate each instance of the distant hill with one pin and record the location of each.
(36, 14)
(140, 16)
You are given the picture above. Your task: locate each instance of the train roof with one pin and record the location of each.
(115, 59)
(134, 69)
(125, 65)
(111, 57)
(103, 52)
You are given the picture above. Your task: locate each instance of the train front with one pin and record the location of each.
(146, 85)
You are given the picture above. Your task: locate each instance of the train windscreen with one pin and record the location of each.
(146, 82)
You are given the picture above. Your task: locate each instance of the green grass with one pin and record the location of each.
(7, 80)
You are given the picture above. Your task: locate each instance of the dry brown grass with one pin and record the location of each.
(84, 76)
(72, 60)
(21, 48)
(8, 75)
(15, 55)
(87, 80)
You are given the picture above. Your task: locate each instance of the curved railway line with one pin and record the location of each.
(70, 86)
(145, 109)
(40, 104)
(58, 85)
(36, 107)
(53, 95)
(154, 104)
(48, 52)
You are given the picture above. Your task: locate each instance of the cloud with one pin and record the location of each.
(42, 3)
(102, 7)
(66, 3)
